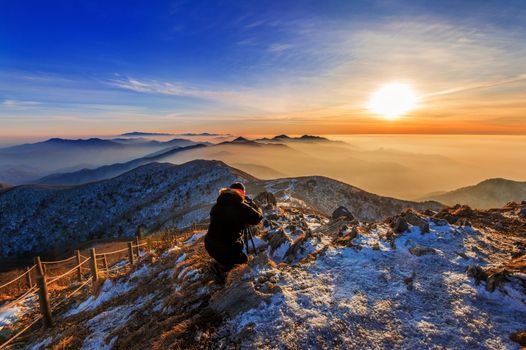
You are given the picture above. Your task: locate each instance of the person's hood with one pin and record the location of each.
(227, 195)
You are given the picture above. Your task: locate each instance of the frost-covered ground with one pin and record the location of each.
(317, 284)
(373, 296)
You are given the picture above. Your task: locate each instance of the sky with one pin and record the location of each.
(248, 67)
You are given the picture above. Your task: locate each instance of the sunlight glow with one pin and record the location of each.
(392, 101)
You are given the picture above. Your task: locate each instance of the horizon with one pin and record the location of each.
(105, 68)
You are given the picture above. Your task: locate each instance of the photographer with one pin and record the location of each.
(228, 218)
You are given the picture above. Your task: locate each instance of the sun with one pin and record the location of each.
(393, 100)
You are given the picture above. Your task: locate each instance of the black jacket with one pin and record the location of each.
(230, 215)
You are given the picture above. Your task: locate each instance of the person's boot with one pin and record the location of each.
(219, 273)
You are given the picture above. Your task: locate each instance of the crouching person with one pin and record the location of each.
(228, 217)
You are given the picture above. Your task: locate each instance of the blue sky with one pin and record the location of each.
(82, 67)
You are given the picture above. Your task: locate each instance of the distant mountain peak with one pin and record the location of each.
(281, 137)
(241, 139)
(141, 133)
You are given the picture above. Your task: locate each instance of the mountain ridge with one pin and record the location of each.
(154, 195)
(489, 193)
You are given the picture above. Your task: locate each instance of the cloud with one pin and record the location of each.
(279, 47)
(16, 104)
(168, 88)
(480, 85)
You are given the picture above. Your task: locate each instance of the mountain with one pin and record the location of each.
(205, 134)
(26, 163)
(317, 283)
(43, 219)
(58, 143)
(325, 195)
(140, 133)
(304, 138)
(232, 151)
(263, 172)
(109, 171)
(491, 193)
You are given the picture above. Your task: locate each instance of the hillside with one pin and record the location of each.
(491, 193)
(43, 219)
(109, 171)
(22, 164)
(324, 195)
(450, 279)
(40, 219)
(239, 151)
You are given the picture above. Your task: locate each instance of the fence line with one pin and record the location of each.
(75, 268)
(19, 277)
(42, 284)
(58, 261)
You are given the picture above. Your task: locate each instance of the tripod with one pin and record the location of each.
(247, 233)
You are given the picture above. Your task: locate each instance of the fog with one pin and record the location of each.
(403, 166)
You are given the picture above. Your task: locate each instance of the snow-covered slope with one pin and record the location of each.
(47, 219)
(321, 284)
(491, 193)
(325, 195)
(40, 219)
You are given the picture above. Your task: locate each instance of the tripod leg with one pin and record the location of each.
(253, 245)
(245, 239)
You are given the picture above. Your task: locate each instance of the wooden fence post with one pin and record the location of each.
(79, 271)
(28, 278)
(43, 295)
(94, 269)
(137, 241)
(105, 263)
(130, 253)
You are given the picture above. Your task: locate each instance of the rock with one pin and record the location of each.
(398, 224)
(462, 211)
(519, 337)
(463, 222)
(409, 281)
(419, 250)
(429, 212)
(347, 238)
(266, 200)
(495, 280)
(510, 205)
(414, 219)
(521, 212)
(476, 272)
(342, 212)
(238, 297)
(277, 239)
(439, 222)
(297, 249)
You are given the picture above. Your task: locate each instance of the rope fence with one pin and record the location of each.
(18, 278)
(68, 272)
(85, 276)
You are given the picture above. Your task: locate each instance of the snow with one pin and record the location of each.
(358, 298)
(195, 237)
(41, 344)
(258, 242)
(141, 272)
(180, 259)
(104, 323)
(279, 253)
(9, 316)
(109, 290)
